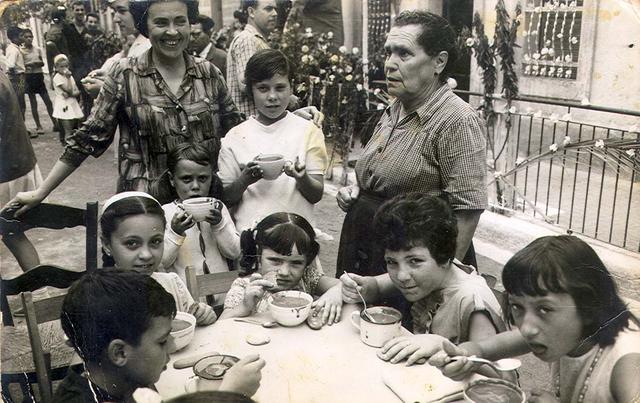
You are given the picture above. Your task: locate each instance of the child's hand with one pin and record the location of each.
(331, 305)
(203, 313)
(251, 173)
(541, 396)
(181, 222)
(352, 283)
(255, 290)
(457, 370)
(244, 377)
(296, 169)
(215, 215)
(416, 348)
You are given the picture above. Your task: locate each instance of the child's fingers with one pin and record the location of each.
(209, 316)
(391, 343)
(416, 357)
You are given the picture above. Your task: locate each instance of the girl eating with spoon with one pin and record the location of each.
(451, 301)
(565, 304)
(277, 256)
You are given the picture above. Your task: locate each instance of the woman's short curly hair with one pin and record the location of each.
(139, 9)
(437, 36)
(416, 219)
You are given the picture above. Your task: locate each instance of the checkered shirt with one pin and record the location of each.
(243, 46)
(439, 149)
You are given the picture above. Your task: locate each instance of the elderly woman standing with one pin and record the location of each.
(159, 99)
(428, 140)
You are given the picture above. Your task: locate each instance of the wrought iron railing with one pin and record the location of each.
(583, 177)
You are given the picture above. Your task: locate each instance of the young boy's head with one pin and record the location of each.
(120, 320)
(418, 233)
(268, 83)
(191, 172)
(13, 33)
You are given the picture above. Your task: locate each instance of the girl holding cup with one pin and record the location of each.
(256, 152)
(203, 237)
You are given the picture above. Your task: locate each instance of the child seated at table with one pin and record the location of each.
(272, 131)
(119, 322)
(132, 228)
(276, 256)
(451, 301)
(565, 304)
(204, 245)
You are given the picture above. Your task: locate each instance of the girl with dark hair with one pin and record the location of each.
(565, 304)
(277, 255)
(132, 234)
(203, 245)
(449, 300)
(272, 131)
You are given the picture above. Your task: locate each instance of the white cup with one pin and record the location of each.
(387, 326)
(199, 207)
(272, 165)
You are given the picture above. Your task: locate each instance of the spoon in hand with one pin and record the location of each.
(503, 365)
(363, 301)
(267, 324)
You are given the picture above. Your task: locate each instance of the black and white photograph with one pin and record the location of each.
(320, 201)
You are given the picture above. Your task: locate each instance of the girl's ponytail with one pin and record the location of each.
(249, 258)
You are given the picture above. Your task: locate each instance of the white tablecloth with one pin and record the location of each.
(304, 365)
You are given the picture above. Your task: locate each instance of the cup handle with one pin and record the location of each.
(217, 205)
(355, 322)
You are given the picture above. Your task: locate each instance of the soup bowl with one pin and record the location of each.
(209, 372)
(183, 327)
(493, 391)
(199, 207)
(290, 308)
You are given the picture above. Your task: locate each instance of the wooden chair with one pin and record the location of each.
(38, 312)
(53, 216)
(209, 284)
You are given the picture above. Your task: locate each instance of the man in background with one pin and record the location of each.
(201, 45)
(100, 44)
(261, 17)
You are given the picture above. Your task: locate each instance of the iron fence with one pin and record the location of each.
(577, 190)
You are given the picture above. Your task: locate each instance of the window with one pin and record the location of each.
(552, 38)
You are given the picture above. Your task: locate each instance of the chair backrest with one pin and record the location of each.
(209, 284)
(45, 310)
(55, 216)
(34, 279)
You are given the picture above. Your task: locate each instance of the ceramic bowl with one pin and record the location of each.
(493, 390)
(290, 316)
(199, 207)
(272, 165)
(182, 337)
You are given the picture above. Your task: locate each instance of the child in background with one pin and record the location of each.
(279, 252)
(132, 233)
(204, 245)
(119, 322)
(565, 304)
(272, 131)
(65, 105)
(451, 301)
(34, 78)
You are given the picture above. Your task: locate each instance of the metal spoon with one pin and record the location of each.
(363, 301)
(503, 365)
(267, 324)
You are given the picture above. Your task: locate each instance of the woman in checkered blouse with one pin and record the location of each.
(428, 140)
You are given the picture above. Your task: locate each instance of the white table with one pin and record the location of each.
(304, 365)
